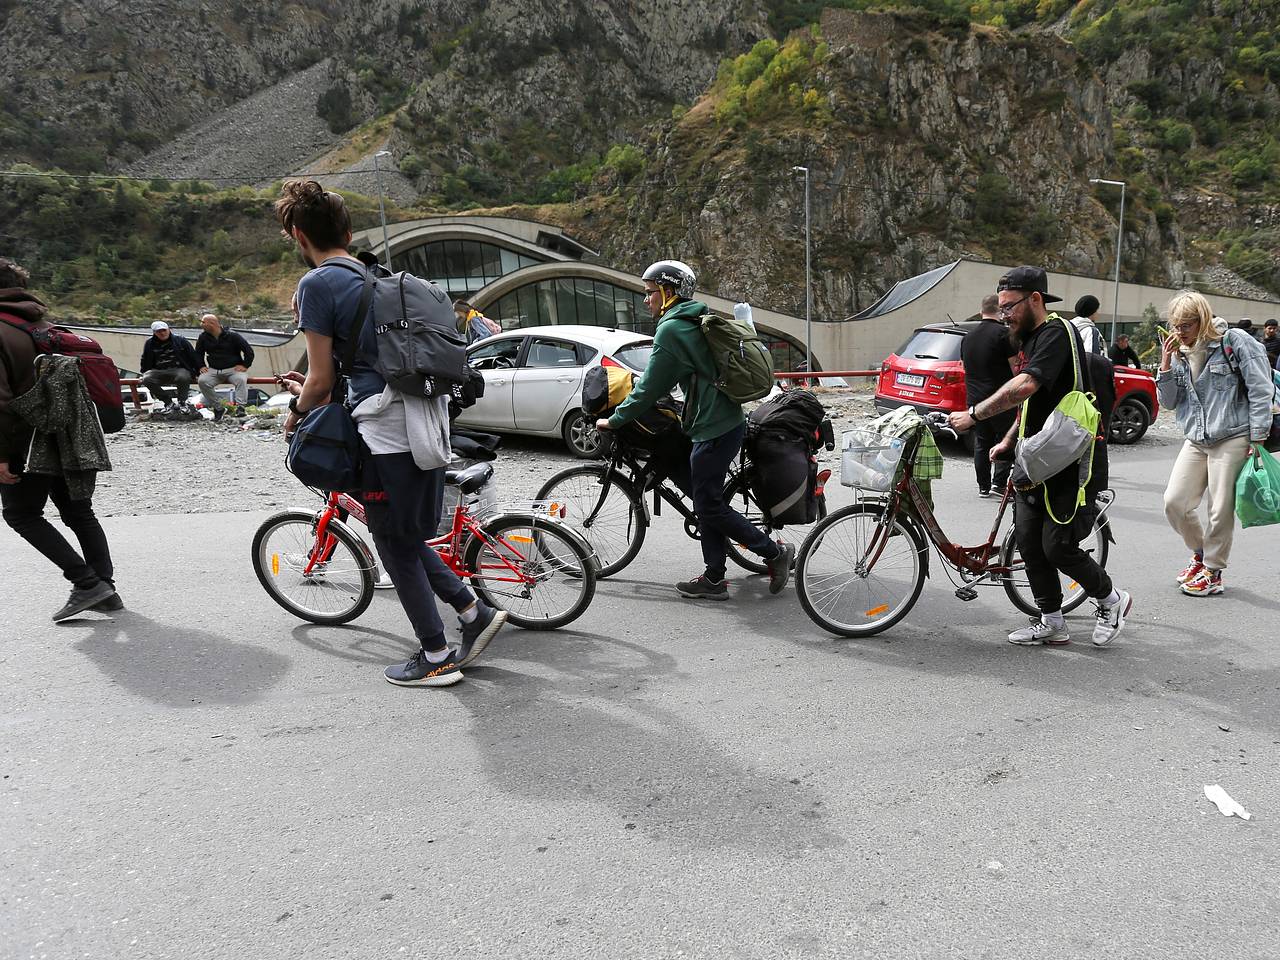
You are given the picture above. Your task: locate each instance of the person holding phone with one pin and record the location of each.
(1218, 382)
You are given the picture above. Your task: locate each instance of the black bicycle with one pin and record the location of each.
(605, 502)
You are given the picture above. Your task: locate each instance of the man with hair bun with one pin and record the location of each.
(403, 473)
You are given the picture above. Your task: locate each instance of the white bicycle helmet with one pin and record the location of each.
(674, 274)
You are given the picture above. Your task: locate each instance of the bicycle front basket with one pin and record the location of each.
(869, 460)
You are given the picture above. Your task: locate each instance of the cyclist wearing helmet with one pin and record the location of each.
(713, 422)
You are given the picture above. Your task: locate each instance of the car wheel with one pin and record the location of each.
(581, 436)
(1129, 421)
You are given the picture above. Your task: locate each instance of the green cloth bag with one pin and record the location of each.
(1258, 490)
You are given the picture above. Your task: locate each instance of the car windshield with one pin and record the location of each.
(635, 355)
(932, 345)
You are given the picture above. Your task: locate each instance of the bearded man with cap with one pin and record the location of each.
(1048, 547)
(168, 360)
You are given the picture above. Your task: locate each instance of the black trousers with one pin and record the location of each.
(986, 434)
(24, 504)
(402, 506)
(708, 465)
(1048, 548)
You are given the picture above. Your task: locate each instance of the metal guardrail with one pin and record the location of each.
(820, 374)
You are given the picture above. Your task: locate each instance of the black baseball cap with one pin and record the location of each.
(1029, 279)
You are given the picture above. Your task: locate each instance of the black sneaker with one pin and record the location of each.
(82, 598)
(780, 567)
(700, 588)
(219, 411)
(985, 494)
(110, 604)
(421, 672)
(240, 411)
(477, 634)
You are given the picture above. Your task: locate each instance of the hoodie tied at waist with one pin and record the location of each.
(68, 440)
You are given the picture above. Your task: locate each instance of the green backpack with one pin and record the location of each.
(744, 366)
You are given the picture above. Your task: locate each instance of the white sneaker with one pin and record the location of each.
(384, 581)
(1041, 632)
(1111, 619)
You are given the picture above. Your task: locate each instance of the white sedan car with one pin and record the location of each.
(533, 379)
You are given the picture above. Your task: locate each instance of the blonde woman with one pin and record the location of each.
(1219, 385)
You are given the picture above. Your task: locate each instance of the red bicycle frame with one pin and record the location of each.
(450, 545)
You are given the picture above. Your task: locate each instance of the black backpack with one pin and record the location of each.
(783, 436)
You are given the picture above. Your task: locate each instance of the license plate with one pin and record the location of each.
(911, 379)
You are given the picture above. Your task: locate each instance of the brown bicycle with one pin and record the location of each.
(862, 568)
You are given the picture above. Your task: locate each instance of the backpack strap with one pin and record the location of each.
(362, 309)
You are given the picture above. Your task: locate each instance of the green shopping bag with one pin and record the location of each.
(1258, 490)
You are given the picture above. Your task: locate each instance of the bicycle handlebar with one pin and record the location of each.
(938, 422)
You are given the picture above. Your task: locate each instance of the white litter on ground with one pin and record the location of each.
(1226, 806)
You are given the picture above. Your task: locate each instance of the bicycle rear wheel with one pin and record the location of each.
(618, 530)
(739, 496)
(835, 586)
(532, 569)
(339, 586)
(1018, 587)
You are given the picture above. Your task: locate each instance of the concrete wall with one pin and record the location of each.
(865, 343)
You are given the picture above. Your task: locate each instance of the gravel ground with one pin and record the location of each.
(206, 467)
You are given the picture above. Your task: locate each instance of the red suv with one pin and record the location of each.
(926, 373)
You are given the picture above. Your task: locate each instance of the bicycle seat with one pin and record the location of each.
(470, 479)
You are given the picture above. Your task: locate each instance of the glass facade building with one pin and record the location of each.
(461, 266)
(599, 304)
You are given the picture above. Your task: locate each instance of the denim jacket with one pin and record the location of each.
(1230, 398)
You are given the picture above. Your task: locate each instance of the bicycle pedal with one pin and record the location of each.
(967, 593)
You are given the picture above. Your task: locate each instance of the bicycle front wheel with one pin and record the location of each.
(856, 577)
(1018, 587)
(617, 532)
(337, 587)
(739, 496)
(530, 568)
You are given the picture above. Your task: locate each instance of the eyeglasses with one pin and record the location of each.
(1006, 310)
(1186, 327)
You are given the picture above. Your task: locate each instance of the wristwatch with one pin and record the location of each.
(973, 412)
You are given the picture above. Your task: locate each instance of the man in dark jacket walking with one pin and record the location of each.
(987, 353)
(168, 360)
(224, 357)
(1122, 353)
(24, 495)
(713, 422)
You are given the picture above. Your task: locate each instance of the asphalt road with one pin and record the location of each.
(202, 776)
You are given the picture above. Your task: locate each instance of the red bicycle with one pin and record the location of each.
(529, 564)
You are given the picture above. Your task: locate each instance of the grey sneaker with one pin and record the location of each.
(700, 588)
(477, 634)
(421, 672)
(1111, 619)
(1039, 632)
(82, 598)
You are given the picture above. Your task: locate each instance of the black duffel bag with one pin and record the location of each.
(324, 451)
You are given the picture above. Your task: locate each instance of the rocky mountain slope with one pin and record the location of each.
(925, 143)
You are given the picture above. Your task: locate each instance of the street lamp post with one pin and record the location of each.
(382, 212)
(808, 284)
(1115, 309)
(239, 302)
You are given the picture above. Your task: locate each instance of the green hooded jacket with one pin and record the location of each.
(679, 353)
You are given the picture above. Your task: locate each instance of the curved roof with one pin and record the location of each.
(904, 291)
(543, 241)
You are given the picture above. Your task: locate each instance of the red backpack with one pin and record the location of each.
(101, 378)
